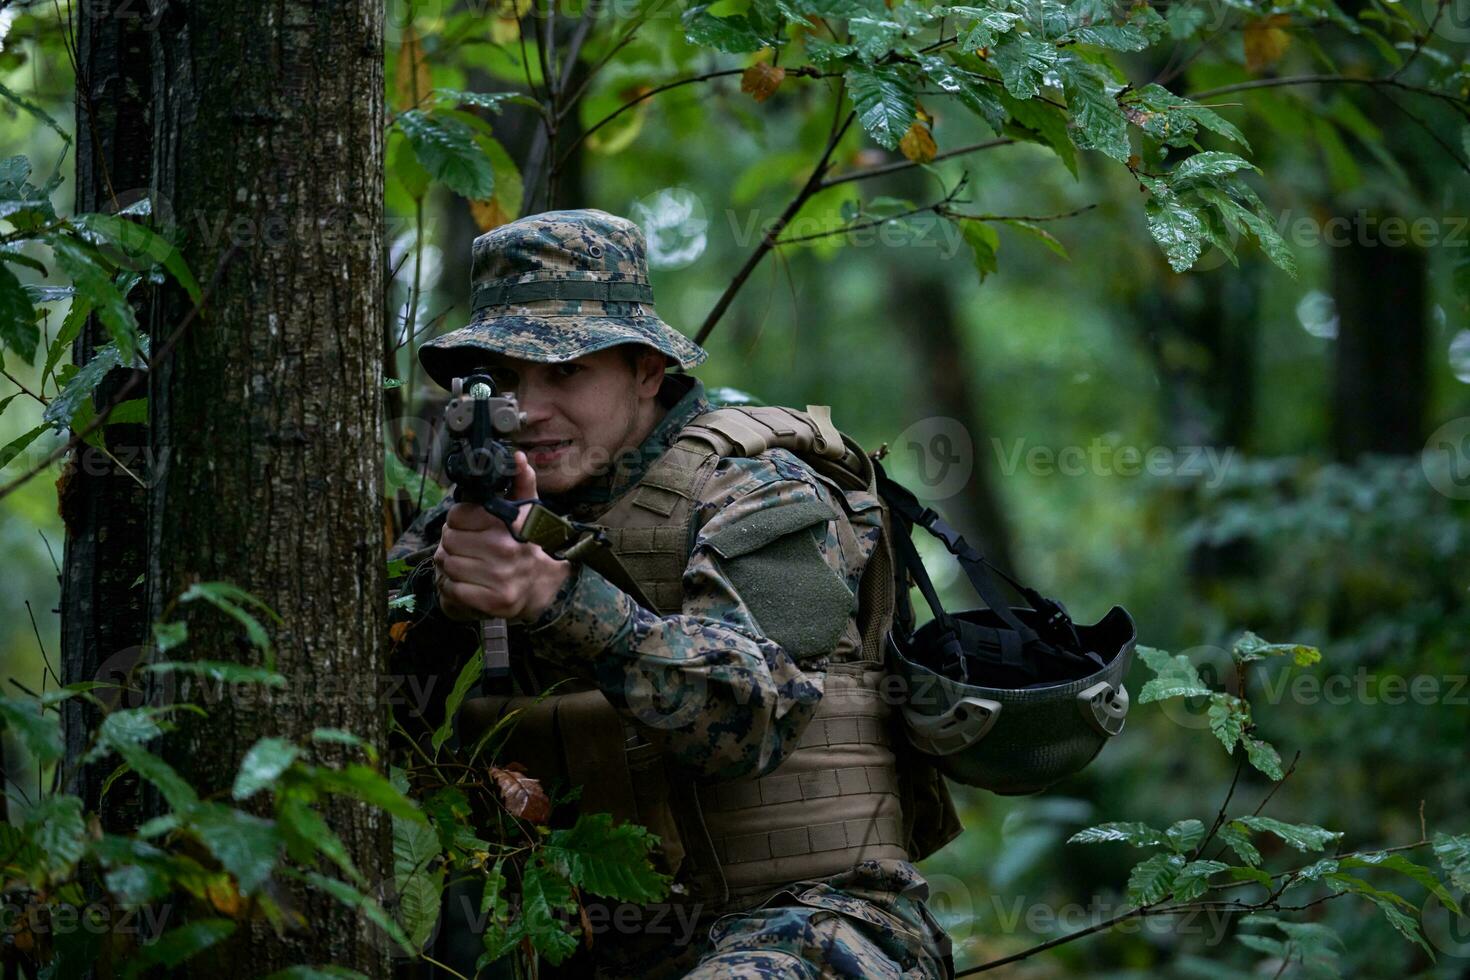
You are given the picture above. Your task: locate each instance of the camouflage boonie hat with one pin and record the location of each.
(554, 286)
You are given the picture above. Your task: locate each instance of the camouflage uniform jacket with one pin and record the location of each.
(756, 697)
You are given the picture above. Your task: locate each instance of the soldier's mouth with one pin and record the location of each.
(542, 452)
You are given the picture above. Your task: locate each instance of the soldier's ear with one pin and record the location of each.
(649, 373)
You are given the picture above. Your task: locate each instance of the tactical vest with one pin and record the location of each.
(840, 796)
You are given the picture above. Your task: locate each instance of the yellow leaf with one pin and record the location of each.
(917, 144)
(411, 81)
(1265, 41)
(489, 214)
(761, 81)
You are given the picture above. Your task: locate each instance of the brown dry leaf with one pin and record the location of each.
(918, 144)
(224, 897)
(523, 796)
(1265, 41)
(489, 214)
(761, 80)
(411, 81)
(398, 632)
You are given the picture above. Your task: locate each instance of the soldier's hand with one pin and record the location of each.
(482, 572)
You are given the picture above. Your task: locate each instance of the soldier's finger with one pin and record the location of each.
(524, 487)
(470, 517)
(492, 543)
(474, 599)
(475, 571)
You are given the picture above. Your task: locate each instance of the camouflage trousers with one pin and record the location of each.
(866, 923)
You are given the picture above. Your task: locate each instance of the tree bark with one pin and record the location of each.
(269, 127)
(1381, 369)
(104, 619)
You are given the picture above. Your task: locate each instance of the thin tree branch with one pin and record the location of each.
(899, 165)
(1459, 104)
(812, 186)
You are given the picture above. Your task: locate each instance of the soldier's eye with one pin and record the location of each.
(504, 378)
(567, 370)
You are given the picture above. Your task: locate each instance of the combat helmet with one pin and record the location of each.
(554, 286)
(1009, 699)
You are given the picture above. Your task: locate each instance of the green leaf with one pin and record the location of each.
(1394, 907)
(1176, 677)
(971, 88)
(612, 861)
(984, 242)
(220, 671)
(1177, 228)
(1237, 837)
(1252, 874)
(1173, 119)
(355, 899)
(1264, 757)
(1263, 944)
(137, 240)
(468, 674)
(500, 935)
(419, 886)
(316, 973)
(1183, 835)
(263, 765)
(18, 329)
(545, 892)
(1228, 717)
(179, 794)
(1046, 237)
(733, 34)
(1043, 123)
(39, 732)
(177, 945)
(1193, 880)
(1210, 164)
(306, 834)
(1251, 647)
(1137, 834)
(1453, 852)
(366, 784)
(93, 283)
(84, 382)
(1152, 879)
(1024, 61)
(232, 600)
(1100, 124)
(57, 828)
(1401, 864)
(485, 100)
(246, 845)
(38, 112)
(1302, 836)
(989, 25)
(341, 737)
(447, 149)
(18, 445)
(884, 99)
(166, 636)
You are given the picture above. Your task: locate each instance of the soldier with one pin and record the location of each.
(722, 662)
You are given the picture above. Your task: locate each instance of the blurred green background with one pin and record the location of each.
(1295, 489)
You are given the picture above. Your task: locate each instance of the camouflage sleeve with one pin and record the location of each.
(428, 648)
(728, 683)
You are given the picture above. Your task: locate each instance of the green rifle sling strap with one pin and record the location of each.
(561, 537)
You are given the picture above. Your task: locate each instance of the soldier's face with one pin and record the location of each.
(581, 414)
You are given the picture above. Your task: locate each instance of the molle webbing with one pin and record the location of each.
(834, 800)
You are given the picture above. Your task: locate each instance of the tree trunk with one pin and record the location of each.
(270, 149)
(1381, 377)
(104, 619)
